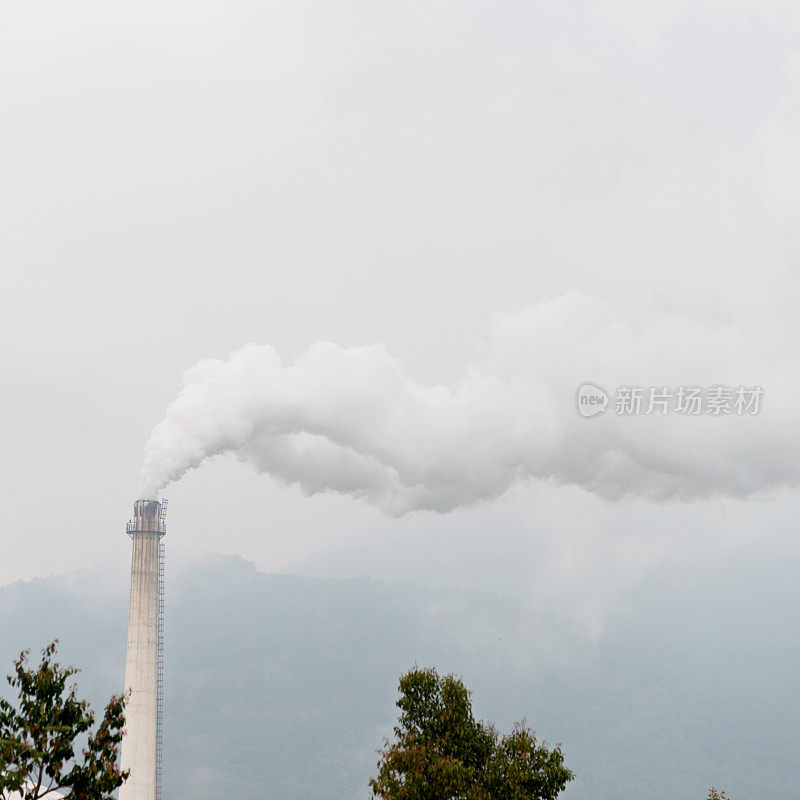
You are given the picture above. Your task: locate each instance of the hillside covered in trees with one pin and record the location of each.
(284, 686)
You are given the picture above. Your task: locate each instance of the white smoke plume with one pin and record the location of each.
(352, 421)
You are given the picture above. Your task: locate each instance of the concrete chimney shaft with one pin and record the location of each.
(141, 744)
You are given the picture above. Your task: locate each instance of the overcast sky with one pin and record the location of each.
(180, 179)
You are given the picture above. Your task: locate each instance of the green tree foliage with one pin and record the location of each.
(713, 794)
(442, 753)
(40, 738)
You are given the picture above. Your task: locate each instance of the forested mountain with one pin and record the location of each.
(283, 687)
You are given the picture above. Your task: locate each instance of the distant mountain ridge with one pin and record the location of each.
(281, 686)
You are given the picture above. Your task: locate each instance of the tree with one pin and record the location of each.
(713, 794)
(442, 753)
(40, 751)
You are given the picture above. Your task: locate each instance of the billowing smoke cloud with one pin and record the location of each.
(353, 421)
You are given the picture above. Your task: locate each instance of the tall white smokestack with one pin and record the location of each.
(141, 744)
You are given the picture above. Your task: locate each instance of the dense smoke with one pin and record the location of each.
(353, 421)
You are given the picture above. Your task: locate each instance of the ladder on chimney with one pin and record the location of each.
(160, 693)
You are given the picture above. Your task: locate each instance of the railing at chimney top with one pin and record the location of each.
(131, 528)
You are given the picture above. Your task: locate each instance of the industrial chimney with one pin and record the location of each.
(144, 664)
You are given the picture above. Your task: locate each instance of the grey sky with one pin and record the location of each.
(181, 179)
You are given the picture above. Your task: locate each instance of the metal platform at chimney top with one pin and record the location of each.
(130, 528)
